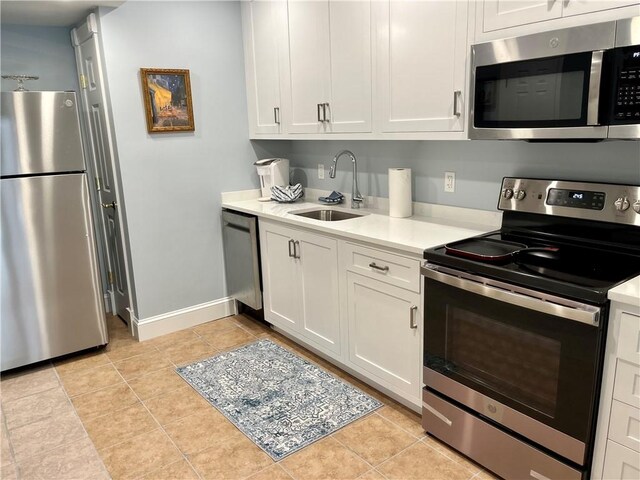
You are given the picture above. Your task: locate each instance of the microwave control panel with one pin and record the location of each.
(626, 107)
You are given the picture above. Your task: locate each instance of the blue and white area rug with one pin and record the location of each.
(280, 401)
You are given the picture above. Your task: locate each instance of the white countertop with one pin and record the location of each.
(413, 234)
(628, 292)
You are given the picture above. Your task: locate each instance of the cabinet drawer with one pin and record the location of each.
(620, 463)
(627, 383)
(624, 426)
(387, 267)
(629, 338)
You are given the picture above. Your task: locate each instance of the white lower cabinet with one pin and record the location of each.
(300, 284)
(359, 306)
(617, 449)
(385, 332)
(621, 463)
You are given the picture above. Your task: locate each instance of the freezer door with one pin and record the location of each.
(40, 133)
(51, 297)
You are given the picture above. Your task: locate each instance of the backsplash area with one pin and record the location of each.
(479, 165)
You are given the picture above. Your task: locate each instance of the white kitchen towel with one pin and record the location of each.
(400, 192)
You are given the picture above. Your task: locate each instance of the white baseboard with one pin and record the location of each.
(147, 328)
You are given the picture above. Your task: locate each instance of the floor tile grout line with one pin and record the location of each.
(403, 450)
(184, 456)
(377, 412)
(4, 403)
(353, 451)
(6, 429)
(458, 462)
(17, 462)
(104, 467)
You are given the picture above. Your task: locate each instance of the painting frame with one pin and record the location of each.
(167, 100)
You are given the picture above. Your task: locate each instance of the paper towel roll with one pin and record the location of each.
(400, 192)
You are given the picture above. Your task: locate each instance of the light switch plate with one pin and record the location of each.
(450, 182)
(321, 171)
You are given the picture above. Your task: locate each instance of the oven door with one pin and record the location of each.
(541, 86)
(525, 360)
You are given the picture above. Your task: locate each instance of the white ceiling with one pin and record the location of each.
(56, 13)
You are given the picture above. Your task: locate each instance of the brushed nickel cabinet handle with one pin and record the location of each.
(276, 115)
(320, 112)
(325, 107)
(456, 94)
(384, 269)
(292, 249)
(296, 253)
(412, 317)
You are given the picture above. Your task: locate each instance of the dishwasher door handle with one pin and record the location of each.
(240, 228)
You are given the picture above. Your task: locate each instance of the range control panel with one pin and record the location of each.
(602, 202)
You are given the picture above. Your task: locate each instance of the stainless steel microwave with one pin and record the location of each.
(579, 83)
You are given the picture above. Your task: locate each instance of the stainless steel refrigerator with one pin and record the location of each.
(52, 302)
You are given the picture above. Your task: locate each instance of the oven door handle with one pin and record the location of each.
(514, 295)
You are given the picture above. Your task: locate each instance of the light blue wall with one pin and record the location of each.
(479, 165)
(43, 51)
(172, 181)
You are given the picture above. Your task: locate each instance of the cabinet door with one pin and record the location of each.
(620, 463)
(280, 277)
(499, 14)
(318, 265)
(350, 44)
(381, 340)
(263, 23)
(577, 7)
(421, 57)
(308, 64)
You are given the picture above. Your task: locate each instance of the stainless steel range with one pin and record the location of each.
(515, 324)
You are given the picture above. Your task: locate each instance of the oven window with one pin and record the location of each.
(547, 92)
(539, 364)
(517, 363)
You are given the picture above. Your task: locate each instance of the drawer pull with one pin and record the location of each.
(384, 269)
(412, 317)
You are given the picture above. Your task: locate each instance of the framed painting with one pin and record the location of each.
(167, 100)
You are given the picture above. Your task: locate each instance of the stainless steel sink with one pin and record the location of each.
(326, 215)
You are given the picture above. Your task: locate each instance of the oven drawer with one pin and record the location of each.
(490, 447)
(624, 426)
(627, 383)
(629, 338)
(397, 270)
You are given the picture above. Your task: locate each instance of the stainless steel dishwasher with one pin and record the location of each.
(242, 258)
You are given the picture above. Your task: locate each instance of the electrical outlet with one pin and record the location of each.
(321, 171)
(449, 181)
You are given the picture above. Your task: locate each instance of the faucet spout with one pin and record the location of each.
(356, 198)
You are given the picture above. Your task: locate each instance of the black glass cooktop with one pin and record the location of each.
(581, 271)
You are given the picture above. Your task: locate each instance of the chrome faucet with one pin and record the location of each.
(356, 198)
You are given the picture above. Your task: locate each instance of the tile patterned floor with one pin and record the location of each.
(123, 413)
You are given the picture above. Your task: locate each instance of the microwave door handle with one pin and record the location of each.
(513, 295)
(594, 87)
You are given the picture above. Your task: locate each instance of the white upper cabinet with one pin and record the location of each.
(499, 14)
(421, 59)
(264, 24)
(308, 65)
(349, 108)
(330, 66)
(578, 7)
